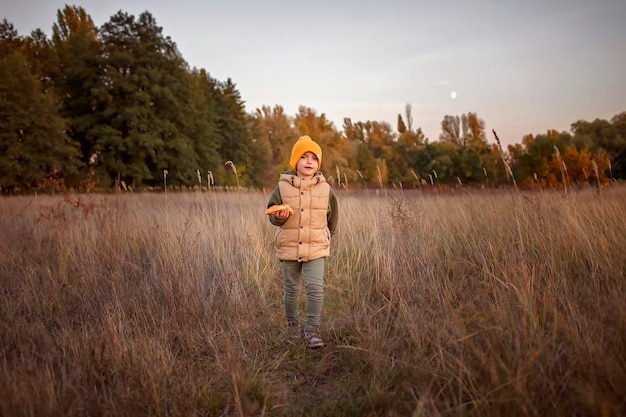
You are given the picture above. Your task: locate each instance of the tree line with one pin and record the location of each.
(96, 107)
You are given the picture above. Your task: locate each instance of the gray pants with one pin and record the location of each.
(314, 283)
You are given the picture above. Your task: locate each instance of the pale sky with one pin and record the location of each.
(522, 66)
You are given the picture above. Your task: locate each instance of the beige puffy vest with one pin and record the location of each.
(305, 235)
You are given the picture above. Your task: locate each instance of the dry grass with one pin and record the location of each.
(474, 304)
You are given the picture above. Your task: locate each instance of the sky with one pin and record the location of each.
(523, 67)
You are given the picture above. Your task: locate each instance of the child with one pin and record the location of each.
(302, 241)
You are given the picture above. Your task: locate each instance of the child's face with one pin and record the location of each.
(307, 165)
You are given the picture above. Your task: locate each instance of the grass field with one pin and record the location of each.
(466, 304)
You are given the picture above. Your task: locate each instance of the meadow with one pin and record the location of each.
(471, 303)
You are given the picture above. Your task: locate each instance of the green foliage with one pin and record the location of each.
(33, 144)
(129, 99)
(366, 163)
(76, 69)
(236, 139)
(533, 157)
(146, 92)
(441, 166)
(200, 121)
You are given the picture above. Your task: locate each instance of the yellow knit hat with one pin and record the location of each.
(303, 145)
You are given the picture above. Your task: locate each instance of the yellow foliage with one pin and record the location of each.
(577, 167)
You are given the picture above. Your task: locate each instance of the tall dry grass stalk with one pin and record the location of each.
(211, 186)
(431, 308)
(596, 173)
(233, 168)
(515, 206)
(509, 171)
(417, 179)
(562, 167)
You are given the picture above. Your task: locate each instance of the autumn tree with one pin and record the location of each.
(275, 128)
(466, 134)
(380, 138)
(451, 130)
(576, 167)
(323, 131)
(531, 161)
(603, 136)
(278, 129)
(353, 132)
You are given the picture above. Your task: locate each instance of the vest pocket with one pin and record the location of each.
(320, 237)
(286, 238)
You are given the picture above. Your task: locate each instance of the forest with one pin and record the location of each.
(98, 108)
(453, 303)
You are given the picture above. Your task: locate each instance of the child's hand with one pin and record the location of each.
(283, 214)
(280, 211)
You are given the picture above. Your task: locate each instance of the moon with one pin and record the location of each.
(453, 95)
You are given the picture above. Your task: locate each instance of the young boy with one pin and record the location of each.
(302, 240)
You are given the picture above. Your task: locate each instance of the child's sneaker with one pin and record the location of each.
(294, 330)
(313, 338)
